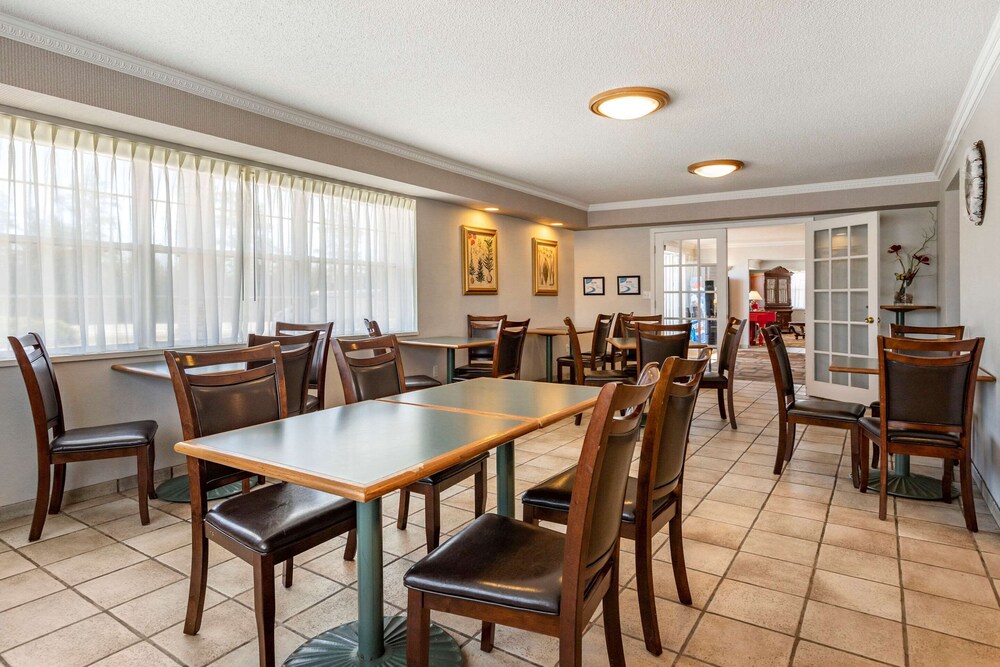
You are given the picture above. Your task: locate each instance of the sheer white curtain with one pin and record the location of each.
(798, 287)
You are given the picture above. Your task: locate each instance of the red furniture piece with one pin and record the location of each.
(758, 320)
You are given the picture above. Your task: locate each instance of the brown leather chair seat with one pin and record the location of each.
(112, 436)
(312, 403)
(555, 492)
(820, 408)
(872, 425)
(713, 379)
(523, 569)
(414, 382)
(454, 470)
(472, 372)
(279, 515)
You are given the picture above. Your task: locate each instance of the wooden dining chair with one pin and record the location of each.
(653, 497)
(272, 524)
(507, 353)
(297, 353)
(597, 358)
(614, 355)
(412, 382)
(483, 326)
(501, 570)
(90, 443)
(321, 355)
(629, 322)
(808, 411)
(724, 379)
(927, 389)
(372, 368)
(585, 374)
(657, 342)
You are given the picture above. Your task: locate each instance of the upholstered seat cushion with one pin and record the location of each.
(112, 436)
(600, 377)
(279, 515)
(713, 379)
(456, 469)
(472, 372)
(555, 492)
(820, 408)
(496, 560)
(414, 382)
(873, 425)
(312, 403)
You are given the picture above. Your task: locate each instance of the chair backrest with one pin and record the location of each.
(657, 342)
(508, 349)
(483, 326)
(629, 323)
(784, 382)
(43, 389)
(618, 331)
(321, 355)
(928, 385)
(599, 343)
(373, 328)
(212, 403)
(369, 368)
(594, 521)
(297, 353)
(731, 345)
(912, 331)
(574, 349)
(668, 426)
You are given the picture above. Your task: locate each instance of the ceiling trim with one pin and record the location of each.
(87, 51)
(767, 244)
(780, 191)
(982, 74)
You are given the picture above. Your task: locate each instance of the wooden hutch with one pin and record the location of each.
(777, 294)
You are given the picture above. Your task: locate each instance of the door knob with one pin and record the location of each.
(869, 320)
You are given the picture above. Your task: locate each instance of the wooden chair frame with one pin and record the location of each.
(598, 349)
(323, 344)
(478, 355)
(292, 348)
(727, 369)
(665, 332)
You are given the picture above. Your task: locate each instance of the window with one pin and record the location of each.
(798, 285)
(111, 245)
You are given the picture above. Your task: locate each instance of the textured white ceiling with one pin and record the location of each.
(803, 91)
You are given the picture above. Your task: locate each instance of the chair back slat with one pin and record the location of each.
(369, 368)
(509, 350)
(373, 328)
(40, 380)
(574, 349)
(321, 354)
(619, 327)
(297, 355)
(599, 343)
(483, 326)
(731, 345)
(784, 382)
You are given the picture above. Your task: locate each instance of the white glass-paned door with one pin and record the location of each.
(841, 305)
(690, 281)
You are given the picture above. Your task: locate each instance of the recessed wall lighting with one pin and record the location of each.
(556, 224)
(715, 168)
(491, 209)
(629, 103)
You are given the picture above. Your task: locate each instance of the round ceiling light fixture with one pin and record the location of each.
(628, 103)
(715, 168)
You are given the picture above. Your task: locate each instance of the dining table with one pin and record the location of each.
(367, 450)
(549, 333)
(901, 481)
(449, 344)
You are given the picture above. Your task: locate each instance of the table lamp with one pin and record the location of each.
(754, 298)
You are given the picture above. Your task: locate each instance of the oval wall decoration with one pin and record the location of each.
(974, 183)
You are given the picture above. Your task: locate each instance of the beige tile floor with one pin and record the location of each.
(789, 570)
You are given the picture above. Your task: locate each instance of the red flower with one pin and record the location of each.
(923, 259)
(893, 249)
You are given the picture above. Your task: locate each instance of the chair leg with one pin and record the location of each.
(480, 489)
(261, 480)
(968, 504)
(790, 441)
(729, 403)
(245, 486)
(432, 518)
(720, 392)
(351, 548)
(41, 501)
(528, 514)
(152, 469)
(875, 455)
(855, 434)
(676, 536)
(647, 596)
(58, 484)
(863, 446)
(199, 578)
(142, 470)
(612, 620)
(579, 418)
(418, 631)
(883, 476)
(404, 509)
(946, 480)
(779, 458)
(571, 645)
(287, 572)
(486, 639)
(263, 604)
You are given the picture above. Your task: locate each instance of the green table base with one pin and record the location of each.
(916, 487)
(178, 490)
(339, 647)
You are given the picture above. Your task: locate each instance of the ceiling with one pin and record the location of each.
(803, 92)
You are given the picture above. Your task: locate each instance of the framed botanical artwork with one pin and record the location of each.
(545, 267)
(480, 261)
(593, 286)
(628, 285)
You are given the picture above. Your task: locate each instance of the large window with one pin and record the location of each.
(108, 244)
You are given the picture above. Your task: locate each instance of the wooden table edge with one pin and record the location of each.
(543, 331)
(445, 346)
(548, 420)
(126, 368)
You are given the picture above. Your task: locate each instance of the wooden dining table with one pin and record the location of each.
(369, 449)
(449, 344)
(549, 333)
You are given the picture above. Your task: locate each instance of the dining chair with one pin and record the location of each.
(412, 382)
(594, 377)
(807, 411)
(630, 363)
(501, 570)
(657, 342)
(372, 368)
(596, 358)
(321, 355)
(927, 390)
(653, 497)
(507, 353)
(297, 353)
(724, 379)
(272, 524)
(483, 326)
(614, 355)
(89, 443)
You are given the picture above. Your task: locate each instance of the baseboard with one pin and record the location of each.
(991, 503)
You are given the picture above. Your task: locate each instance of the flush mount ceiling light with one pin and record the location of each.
(629, 103)
(715, 168)
(491, 209)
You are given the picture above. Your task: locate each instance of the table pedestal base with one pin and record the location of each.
(178, 490)
(339, 647)
(916, 487)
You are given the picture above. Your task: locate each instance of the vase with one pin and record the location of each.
(902, 297)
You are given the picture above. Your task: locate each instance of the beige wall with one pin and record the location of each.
(612, 253)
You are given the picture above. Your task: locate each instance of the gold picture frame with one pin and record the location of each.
(545, 267)
(480, 261)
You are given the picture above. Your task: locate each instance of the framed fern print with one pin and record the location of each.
(480, 261)
(545, 267)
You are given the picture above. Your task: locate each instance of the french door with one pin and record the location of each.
(842, 257)
(690, 273)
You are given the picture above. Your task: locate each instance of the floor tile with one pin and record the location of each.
(11, 563)
(932, 649)
(307, 589)
(122, 585)
(862, 595)
(25, 587)
(713, 532)
(941, 555)
(796, 507)
(95, 563)
(162, 540)
(223, 628)
(948, 583)
(859, 539)
(701, 584)
(66, 546)
(858, 564)
(285, 641)
(852, 631)
(793, 526)
(934, 532)
(725, 642)
(144, 654)
(155, 611)
(595, 652)
(808, 654)
(42, 616)
(758, 606)
(700, 556)
(55, 526)
(781, 547)
(959, 619)
(130, 526)
(675, 620)
(770, 573)
(74, 646)
(726, 513)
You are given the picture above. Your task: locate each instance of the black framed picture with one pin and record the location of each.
(593, 286)
(628, 285)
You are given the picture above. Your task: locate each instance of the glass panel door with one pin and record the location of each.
(690, 274)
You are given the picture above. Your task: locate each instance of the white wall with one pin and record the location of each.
(906, 228)
(612, 253)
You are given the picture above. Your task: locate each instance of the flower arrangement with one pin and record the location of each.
(910, 262)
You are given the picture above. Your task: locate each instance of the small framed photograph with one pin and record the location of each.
(593, 286)
(628, 285)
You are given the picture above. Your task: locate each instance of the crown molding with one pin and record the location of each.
(87, 51)
(982, 74)
(768, 244)
(781, 191)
